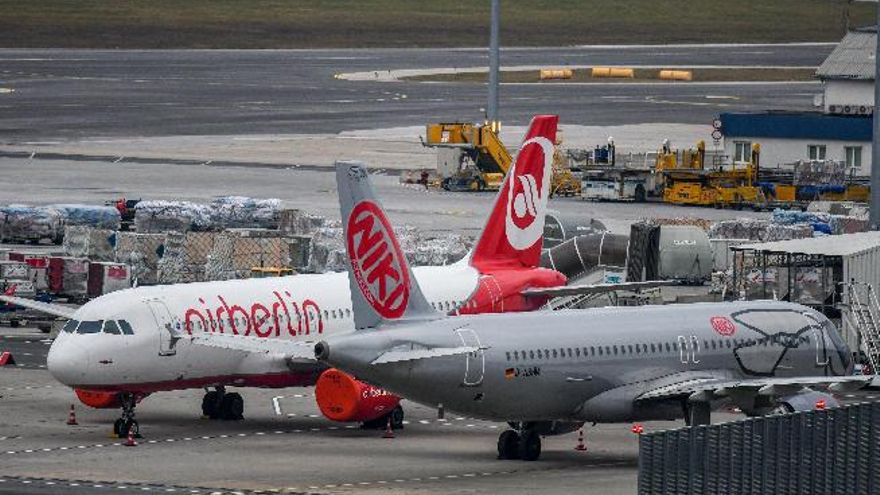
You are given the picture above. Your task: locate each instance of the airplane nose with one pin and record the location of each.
(68, 361)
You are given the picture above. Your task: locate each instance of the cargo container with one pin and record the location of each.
(106, 277)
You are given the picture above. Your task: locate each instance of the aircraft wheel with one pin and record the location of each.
(508, 445)
(397, 418)
(529, 445)
(118, 427)
(211, 405)
(232, 407)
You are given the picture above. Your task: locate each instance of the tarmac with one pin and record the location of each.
(297, 451)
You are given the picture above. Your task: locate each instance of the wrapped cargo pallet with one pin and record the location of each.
(99, 217)
(30, 224)
(141, 252)
(244, 212)
(166, 216)
(91, 243)
(298, 222)
(13, 270)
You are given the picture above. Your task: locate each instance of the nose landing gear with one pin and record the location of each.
(524, 443)
(126, 422)
(217, 404)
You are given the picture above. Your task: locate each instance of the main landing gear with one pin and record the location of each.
(217, 404)
(395, 416)
(127, 423)
(522, 443)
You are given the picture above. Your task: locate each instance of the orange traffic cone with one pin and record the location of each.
(389, 433)
(130, 442)
(581, 446)
(71, 418)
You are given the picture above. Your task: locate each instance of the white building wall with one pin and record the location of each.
(853, 93)
(779, 152)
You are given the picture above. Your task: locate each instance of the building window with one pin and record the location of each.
(816, 151)
(742, 151)
(853, 156)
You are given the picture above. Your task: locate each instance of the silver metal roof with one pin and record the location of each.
(831, 245)
(852, 59)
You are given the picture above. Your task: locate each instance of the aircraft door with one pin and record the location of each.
(817, 335)
(475, 362)
(169, 327)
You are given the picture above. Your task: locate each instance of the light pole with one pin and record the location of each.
(494, 56)
(874, 218)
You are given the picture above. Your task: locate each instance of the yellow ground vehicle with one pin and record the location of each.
(687, 181)
(470, 156)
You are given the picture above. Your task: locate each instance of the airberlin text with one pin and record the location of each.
(281, 315)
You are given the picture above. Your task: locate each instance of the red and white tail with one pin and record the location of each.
(514, 232)
(10, 291)
(383, 288)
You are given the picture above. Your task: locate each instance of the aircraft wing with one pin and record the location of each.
(293, 352)
(573, 290)
(396, 356)
(708, 387)
(48, 308)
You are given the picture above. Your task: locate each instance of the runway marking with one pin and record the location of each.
(223, 436)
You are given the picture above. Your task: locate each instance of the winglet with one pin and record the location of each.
(514, 231)
(383, 288)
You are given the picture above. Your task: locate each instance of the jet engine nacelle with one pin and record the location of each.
(341, 397)
(99, 400)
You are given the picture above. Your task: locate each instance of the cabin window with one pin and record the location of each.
(111, 327)
(126, 328)
(70, 326)
(516, 355)
(90, 326)
(600, 350)
(554, 353)
(531, 354)
(577, 352)
(508, 356)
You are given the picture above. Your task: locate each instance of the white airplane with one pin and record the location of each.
(121, 347)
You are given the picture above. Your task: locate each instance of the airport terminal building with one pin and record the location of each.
(838, 130)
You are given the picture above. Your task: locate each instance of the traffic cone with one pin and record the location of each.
(638, 429)
(581, 446)
(130, 442)
(389, 433)
(71, 418)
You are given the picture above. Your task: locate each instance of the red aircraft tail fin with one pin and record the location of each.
(514, 232)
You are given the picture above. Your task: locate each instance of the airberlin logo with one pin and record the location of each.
(377, 262)
(723, 325)
(527, 195)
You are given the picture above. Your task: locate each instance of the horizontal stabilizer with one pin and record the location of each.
(47, 308)
(574, 290)
(416, 354)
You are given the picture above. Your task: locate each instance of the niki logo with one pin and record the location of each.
(527, 195)
(722, 325)
(377, 261)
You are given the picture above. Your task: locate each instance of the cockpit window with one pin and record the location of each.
(70, 326)
(111, 327)
(90, 326)
(126, 328)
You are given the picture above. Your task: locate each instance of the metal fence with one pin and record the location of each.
(816, 452)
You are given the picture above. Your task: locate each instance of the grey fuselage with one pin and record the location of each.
(592, 365)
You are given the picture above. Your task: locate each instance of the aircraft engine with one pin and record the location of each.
(99, 400)
(807, 400)
(341, 397)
